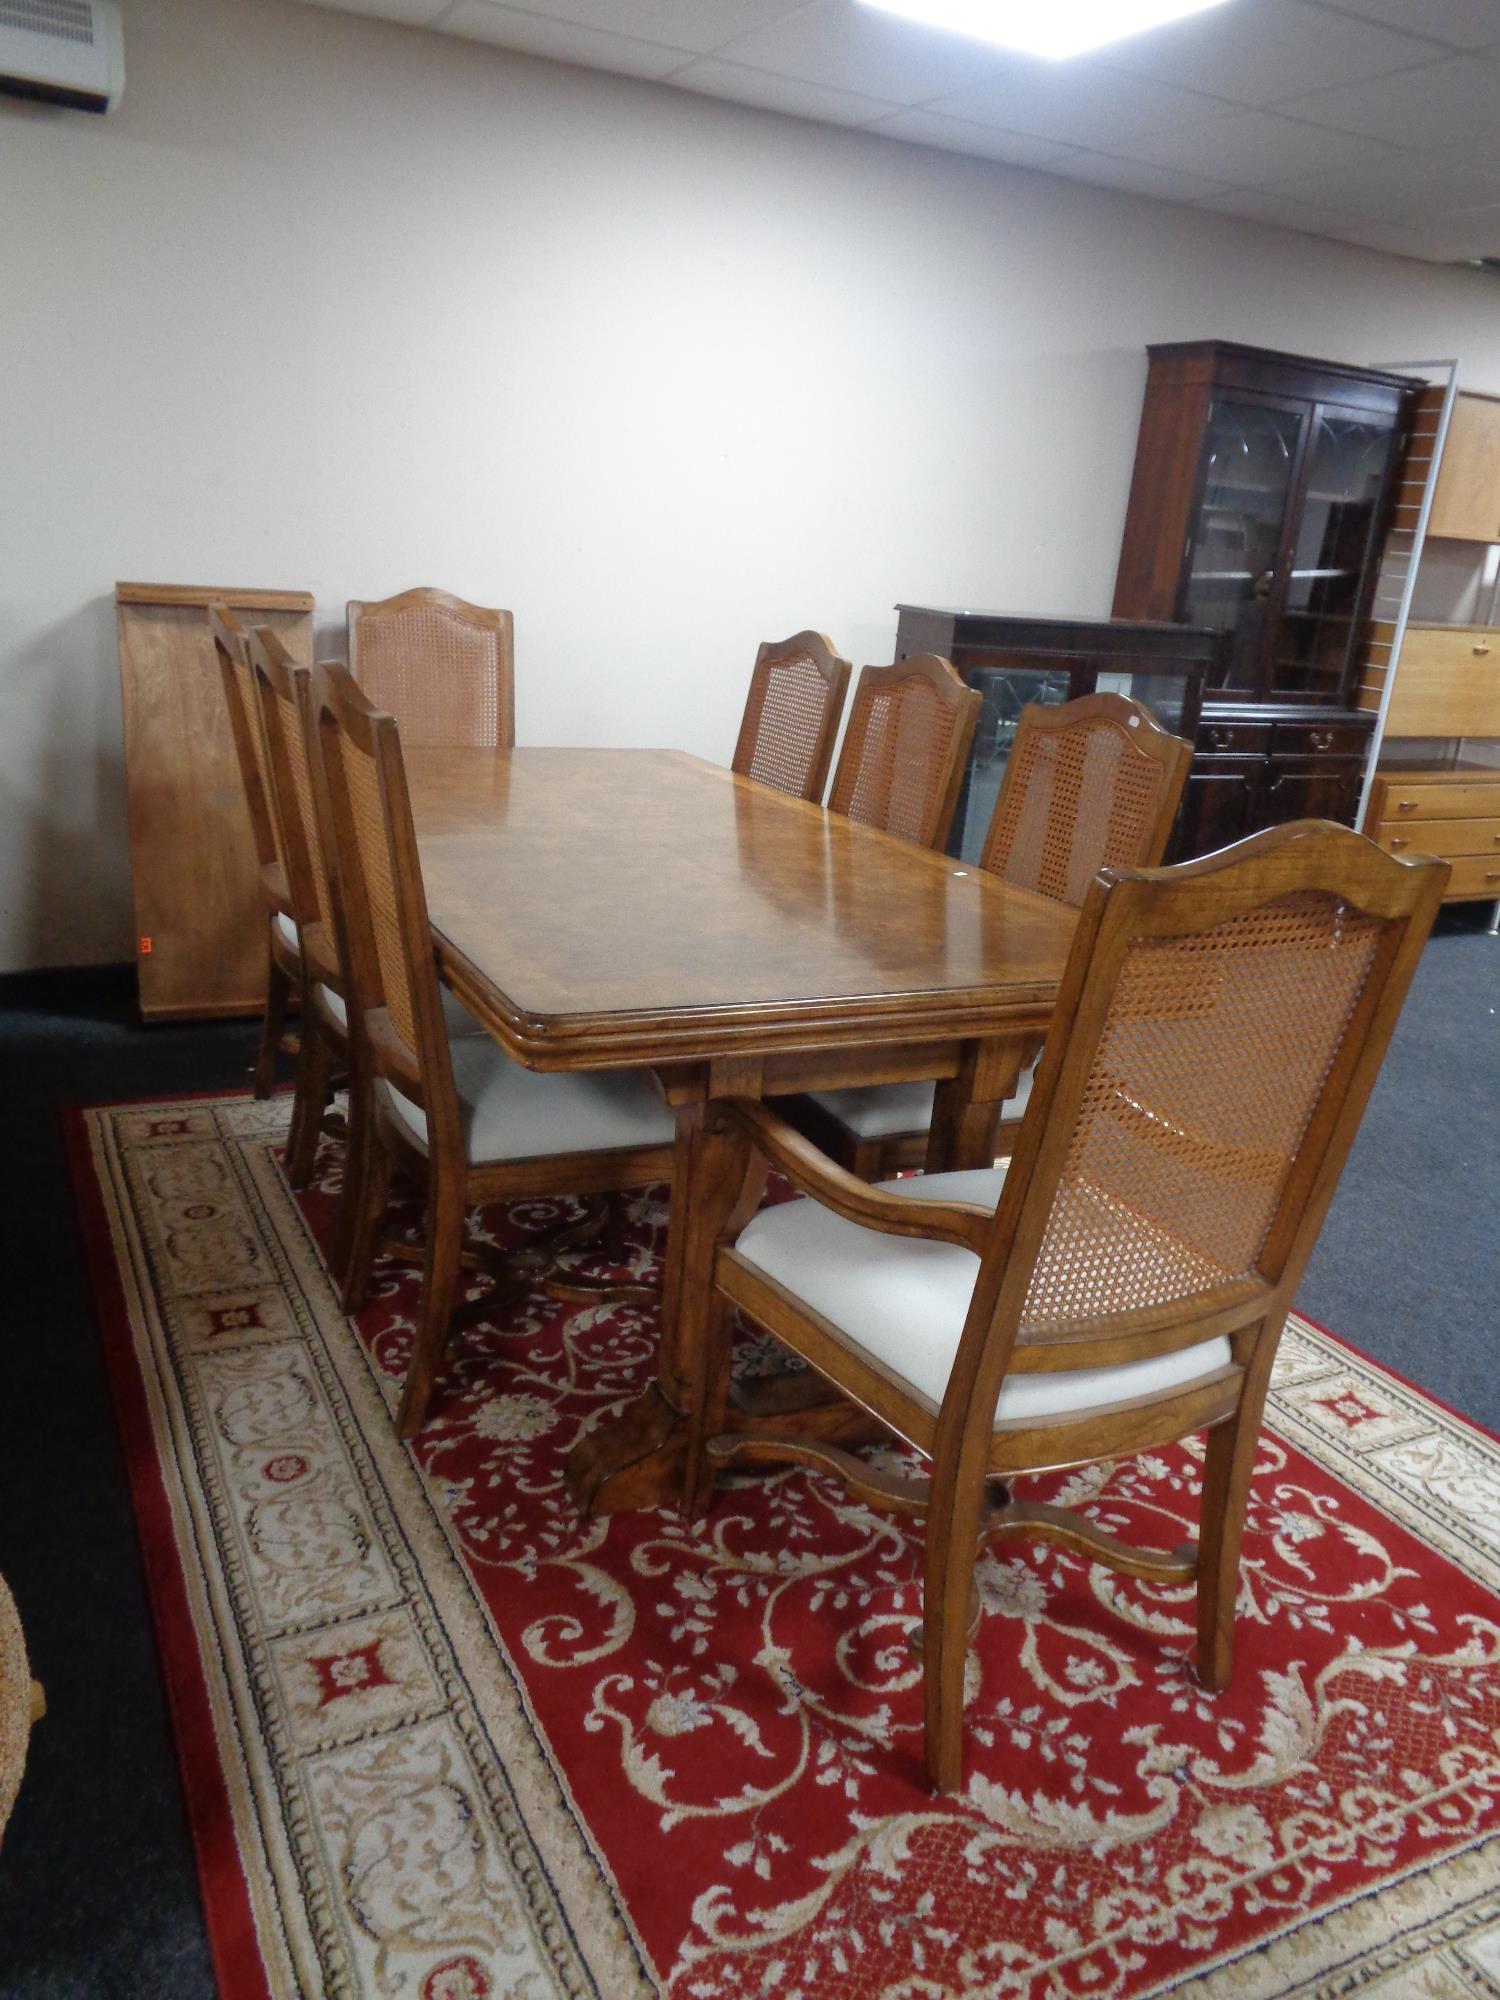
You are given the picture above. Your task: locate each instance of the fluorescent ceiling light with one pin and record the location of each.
(1046, 27)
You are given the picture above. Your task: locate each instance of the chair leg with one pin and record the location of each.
(366, 1202)
(440, 1266)
(314, 1076)
(1227, 1466)
(947, 1591)
(278, 992)
(356, 1166)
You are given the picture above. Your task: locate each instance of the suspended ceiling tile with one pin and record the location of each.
(1417, 108)
(1077, 104)
(1253, 147)
(1464, 24)
(1406, 188)
(985, 142)
(849, 47)
(1258, 51)
(563, 41)
(1179, 112)
(714, 78)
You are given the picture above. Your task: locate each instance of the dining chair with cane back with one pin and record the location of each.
(477, 1125)
(444, 668)
(294, 768)
(1090, 784)
(910, 726)
(283, 689)
(1123, 1284)
(792, 715)
(283, 952)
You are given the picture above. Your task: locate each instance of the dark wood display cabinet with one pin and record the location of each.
(1262, 488)
(1015, 660)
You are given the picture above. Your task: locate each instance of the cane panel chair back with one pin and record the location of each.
(443, 668)
(910, 727)
(1222, 1023)
(1092, 784)
(381, 907)
(232, 650)
(283, 688)
(792, 715)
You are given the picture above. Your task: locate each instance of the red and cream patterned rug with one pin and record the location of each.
(443, 1740)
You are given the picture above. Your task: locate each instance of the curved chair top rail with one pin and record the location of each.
(792, 714)
(1089, 784)
(443, 667)
(232, 650)
(910, 727)
(284, 687)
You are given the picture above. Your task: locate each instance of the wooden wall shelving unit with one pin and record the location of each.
(1440, 692)
(199, 910)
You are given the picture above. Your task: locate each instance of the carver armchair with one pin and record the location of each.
(1124, 1283)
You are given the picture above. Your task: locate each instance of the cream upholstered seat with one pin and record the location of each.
(882, 1110)
(456, 1016)
(904, 1299)
(510, 1113)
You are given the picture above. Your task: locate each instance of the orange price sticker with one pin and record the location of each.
(145, 947)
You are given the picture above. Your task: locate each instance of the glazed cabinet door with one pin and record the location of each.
(1252, 455)
(1335, 544)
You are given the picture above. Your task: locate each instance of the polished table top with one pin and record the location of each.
(612, 906)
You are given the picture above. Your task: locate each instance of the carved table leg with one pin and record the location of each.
(638, 1459)
(967, 1107)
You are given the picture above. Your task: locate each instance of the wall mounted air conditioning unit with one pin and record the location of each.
(68, 52)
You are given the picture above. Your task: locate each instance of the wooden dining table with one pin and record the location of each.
(599, 909)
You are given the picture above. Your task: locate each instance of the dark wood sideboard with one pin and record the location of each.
(1015, 660)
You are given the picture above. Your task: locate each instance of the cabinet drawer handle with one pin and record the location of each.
(1492, 874)
(1322, 739)
(1220, 738)
(1481, 649)
(1406, 805)
(1398, 841)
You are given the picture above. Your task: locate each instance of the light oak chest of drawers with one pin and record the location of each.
(1447, 809)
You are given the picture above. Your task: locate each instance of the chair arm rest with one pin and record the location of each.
(963, 1223)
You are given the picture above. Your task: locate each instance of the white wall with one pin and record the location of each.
(336, 305)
